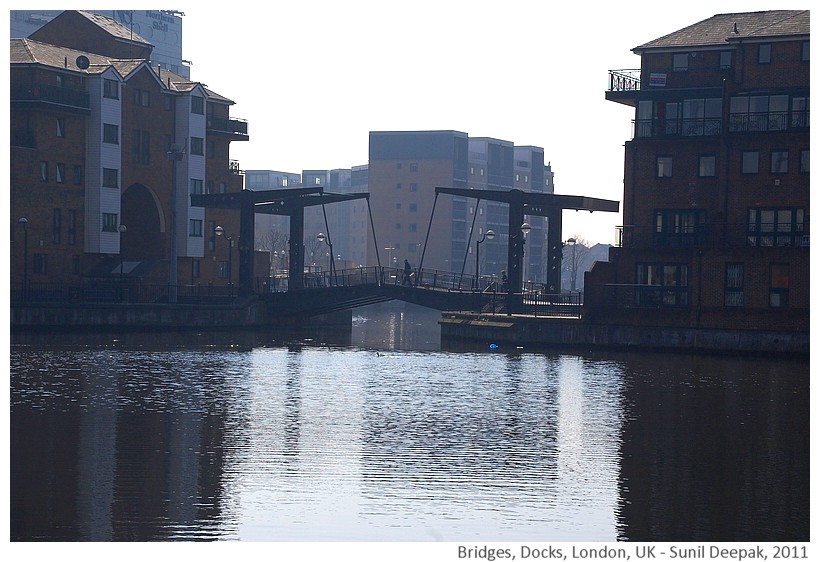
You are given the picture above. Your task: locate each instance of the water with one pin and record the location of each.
(388, 438)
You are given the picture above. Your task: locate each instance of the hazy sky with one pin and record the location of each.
(313, 78)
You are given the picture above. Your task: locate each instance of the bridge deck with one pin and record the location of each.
(328, 292)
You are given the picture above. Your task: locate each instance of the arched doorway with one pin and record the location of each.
(144, 238)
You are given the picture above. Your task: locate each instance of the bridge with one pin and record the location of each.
(312, 294)
(333, 291)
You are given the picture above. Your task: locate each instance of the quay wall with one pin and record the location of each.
(252, 314)
(476, 330)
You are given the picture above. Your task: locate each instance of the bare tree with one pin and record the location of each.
(575, 255)
(312, 249)
(276, 242)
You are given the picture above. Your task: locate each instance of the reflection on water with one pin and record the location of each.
(370, 442)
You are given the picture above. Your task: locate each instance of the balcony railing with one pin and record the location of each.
(716, 234)
(48, 93)
(236, 127)
(624, 80)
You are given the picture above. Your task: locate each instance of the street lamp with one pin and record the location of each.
(321, 237)
(573, 271)
(489, 235)
(24, 221)
(121, 229)
(525, 229)
(219, 232)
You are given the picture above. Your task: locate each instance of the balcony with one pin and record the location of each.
(48, 94)
(713, 235)
(235, 129)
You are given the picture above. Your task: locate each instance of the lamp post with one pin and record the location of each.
(489, 235)
(24, 221)
(321, 237)
(573, 268)
(121, 229)
(219, 232)
(525, 229)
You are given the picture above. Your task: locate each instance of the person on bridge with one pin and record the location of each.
(408, 272)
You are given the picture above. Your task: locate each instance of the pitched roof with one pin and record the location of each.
(723, 28)
(113, 27)
(28, 51)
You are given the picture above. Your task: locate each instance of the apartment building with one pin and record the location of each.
(105, 151)
(405, 167)
(716, 180)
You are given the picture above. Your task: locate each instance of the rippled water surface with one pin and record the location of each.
(317, 443)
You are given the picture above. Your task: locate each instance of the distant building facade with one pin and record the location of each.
(105, 151)
(405, 167)
(716, 180)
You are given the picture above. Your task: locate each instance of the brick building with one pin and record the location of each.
(716, 180)
(101, 140)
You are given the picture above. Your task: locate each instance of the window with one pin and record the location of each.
(60, 172)
(196, 269)
(109, 222)
(78, 175)
(678, 228)
(707, 166)
(111, 178)
(111, 89)
(779, 285)
(317, 181)
(662, 285)
(664, 166)
(800, 112)
(43, 170)
(777, 226)
(733, 285)
(725, 60)
(61, 127)
(196, 186)
(414, 167)
(412, 227)
(40, 264)
(780, 162)
(209, 186)
(398, 186)
(141, 147)
(195, 228)
(56, 226)
(197, 146)
(142, 98)
(111, 133)
(198, 105)
(72, 226)
(804, 161)
(414, 187)
(764, 54)
(680, 62)
(646, 117)
(222, 187)
(222, 270)
(761, 113)
(804, 53)
(750, 162)
(413, 207)
(211, 236)
(701, 116)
